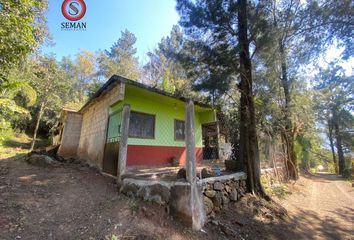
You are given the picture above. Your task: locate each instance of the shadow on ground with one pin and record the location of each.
(72, 201)
(11, 143)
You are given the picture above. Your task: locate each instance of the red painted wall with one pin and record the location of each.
(158, 155)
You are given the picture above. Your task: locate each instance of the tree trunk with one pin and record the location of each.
(288, 133)
(330, 136)
(341, 161)
(39, 116)
(249, 151)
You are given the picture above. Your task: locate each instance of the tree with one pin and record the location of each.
(335, 21)
(82, 73)
(85, 70)
(16, 95)
(52, 88)
(220, 44)
(120, 59)
(164, 69)
(23, 29)
(301, 31)
(166, 82)
(249, 151)
(336, 102)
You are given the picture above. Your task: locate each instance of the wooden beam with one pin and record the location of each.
(190, 142)
(123, 144)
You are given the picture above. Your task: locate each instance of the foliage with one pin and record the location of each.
(112, 237)
(12, 143)
(167, 83)
(164, 68)
(334, 21)
(22, 29)
(334, 106)
(120, 59)
(16, 95)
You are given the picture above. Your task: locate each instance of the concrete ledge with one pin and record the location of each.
(224, 178)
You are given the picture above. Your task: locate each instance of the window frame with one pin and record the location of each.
(154, 125)
(174, 130)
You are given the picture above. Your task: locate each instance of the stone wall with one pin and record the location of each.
(94, 126)
(218, 192)
(71, 134)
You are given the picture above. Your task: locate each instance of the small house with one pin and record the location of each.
(156, 132)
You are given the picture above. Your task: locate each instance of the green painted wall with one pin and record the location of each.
(166, 110)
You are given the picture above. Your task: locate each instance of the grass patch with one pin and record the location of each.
(13, 144)
(279, 190)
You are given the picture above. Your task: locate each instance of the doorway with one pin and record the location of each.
(111, 149)
(210, 141)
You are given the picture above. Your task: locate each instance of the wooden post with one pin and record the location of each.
(196, 201)
(218, 140)
(190, 142)
(123, 144)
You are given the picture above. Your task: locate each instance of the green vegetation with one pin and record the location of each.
(134, 206)
(249, 59)
(112, 237)
(276, 188)
(16, 144)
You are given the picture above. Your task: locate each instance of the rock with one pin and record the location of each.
(162, 191)
(214, 222)
(210, 193)
(155, 193)
(228, 188)
(218, 186)
(182, 174)
(243, 184)
(41, 160)
(217, 200)
(205, 173)
(208, 205)
(233, 195)
(129, 189)
(269, 216)
(225, 200)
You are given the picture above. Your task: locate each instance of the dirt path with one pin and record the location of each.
(322, 207)
(72, 201)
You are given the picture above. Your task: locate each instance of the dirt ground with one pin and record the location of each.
(322, 207)
(72, 201)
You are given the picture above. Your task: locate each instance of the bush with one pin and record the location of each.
(347, 173)
(331, 168)
(5, 134)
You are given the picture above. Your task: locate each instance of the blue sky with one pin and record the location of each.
(149, 20)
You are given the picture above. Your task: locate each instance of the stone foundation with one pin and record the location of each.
(217, 193)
